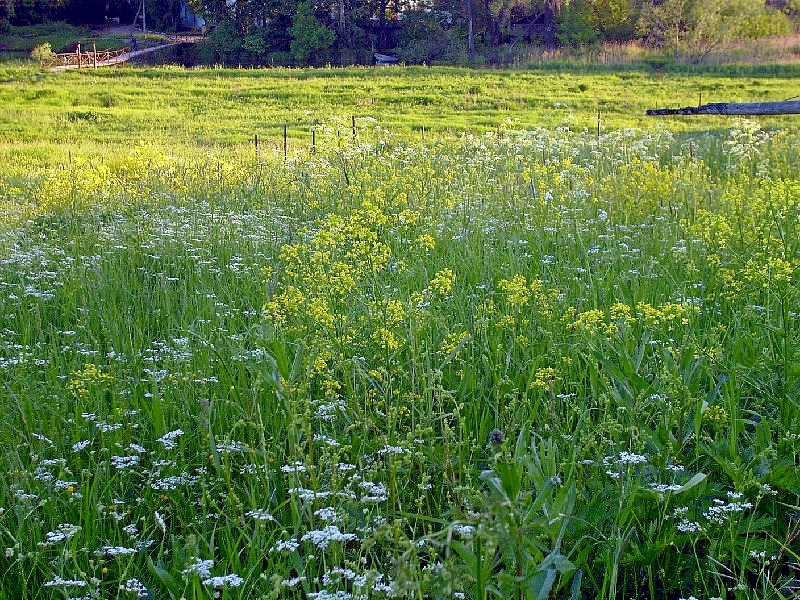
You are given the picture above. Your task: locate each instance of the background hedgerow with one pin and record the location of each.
(525, 364)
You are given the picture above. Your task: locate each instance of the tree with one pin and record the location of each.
(498, 13)
(43, 53)
(470, 14)
(309, 35)
(614, 19)
(695, 27)
(577, 24)
(225, 42)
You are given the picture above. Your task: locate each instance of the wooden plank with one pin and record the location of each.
(788, 107)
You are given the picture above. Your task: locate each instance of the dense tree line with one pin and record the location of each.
(161, 14)
(309, 31)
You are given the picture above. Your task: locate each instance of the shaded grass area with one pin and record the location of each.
(62, 37)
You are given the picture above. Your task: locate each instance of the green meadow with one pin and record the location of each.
(226, 108)
(459, 334)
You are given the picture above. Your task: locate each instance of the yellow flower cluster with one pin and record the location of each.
(83, 380)
(544, 379)
(666, 316)
(716, 418)
(442, 282)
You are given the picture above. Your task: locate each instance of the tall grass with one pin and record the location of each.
(529, 363)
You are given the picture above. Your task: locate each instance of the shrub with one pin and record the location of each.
(43, 53)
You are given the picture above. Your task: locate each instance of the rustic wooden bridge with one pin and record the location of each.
(94, 58)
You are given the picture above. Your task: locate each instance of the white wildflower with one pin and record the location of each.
(260, 515)
(322, 538)
(114, 551)
(687, 526)
(65, 531)
(287, 545)
(464, 531)
(223, 581)
(168, 439)
(59, 582)
(125, 462)
(201, 568)
(77, 447)
(296, 467)
(160, 521)
(327, 514)
(134, 586)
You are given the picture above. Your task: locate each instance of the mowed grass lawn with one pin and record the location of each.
(471, 348)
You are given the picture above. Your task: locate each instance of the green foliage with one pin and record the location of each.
(309, 34)
(765, 24)
(260, 31)
(616, 19)
(224, 43)
(696, 28)
(43, 53)
(577, 24)
(423, 38)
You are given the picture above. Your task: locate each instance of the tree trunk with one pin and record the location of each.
(549, 25)
(470, 28)
(789, 107)
(492, 26)
(382, 38)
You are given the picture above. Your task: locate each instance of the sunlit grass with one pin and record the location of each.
(521, 362)
(95, 110)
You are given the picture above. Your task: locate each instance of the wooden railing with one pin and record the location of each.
(92, 59)
(103, 58)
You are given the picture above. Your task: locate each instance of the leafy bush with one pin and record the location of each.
(43, 53)
(765, 24)
(423, 37)
(309, 35)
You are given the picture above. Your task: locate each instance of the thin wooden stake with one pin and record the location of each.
(256, 141)
(94, 55)
(598, 123)
(285, 142)
(354, 126)
(313, 141)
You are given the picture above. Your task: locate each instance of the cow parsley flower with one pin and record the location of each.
(224, 581)
(322, 538)
(168, 439)
(201, 568)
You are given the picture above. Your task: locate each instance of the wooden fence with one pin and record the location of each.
(91, 59)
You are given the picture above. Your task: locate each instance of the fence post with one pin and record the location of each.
(78, 54)
(94, 55)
